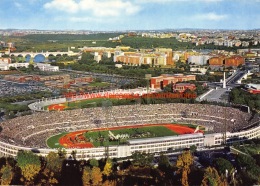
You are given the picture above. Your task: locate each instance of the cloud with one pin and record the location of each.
(210, 16)
(97, 8)
(69, 6)
(18, 5)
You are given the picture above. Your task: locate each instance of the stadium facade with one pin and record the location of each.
(223, 124)
(153, 145)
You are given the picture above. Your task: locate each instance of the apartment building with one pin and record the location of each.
(156, 57)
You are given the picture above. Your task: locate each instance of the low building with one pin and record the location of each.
(253, 88)
(156, 57)
(182, 87)
(160, 82)
(198, 60)
(46, 67)
(5, 60)
(198, 69)
(217, 61)
(234, 61)
(6, 66)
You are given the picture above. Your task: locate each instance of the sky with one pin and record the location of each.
(119, 15)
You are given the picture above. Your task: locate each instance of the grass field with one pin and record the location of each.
(85, 103)
(53, 142)
(81, 104)
(101, 138)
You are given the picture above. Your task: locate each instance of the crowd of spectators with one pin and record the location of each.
(33, 130)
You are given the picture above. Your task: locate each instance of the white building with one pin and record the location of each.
(6, 66)
(46, 67)
(97, 57)
(198, 60)
(199, 69)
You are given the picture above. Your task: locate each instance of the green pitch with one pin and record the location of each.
(53, 142)
(101, 138)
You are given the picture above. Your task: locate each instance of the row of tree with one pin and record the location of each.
(56, 169)
(240, 96)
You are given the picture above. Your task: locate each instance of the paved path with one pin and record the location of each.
(215, 95)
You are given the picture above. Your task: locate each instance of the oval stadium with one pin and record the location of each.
(212, 126)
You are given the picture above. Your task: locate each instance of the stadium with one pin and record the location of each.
(32, 132)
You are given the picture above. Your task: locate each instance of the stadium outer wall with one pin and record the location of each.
(149, 145)
(152, 145)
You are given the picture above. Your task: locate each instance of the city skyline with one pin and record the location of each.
(113, 15)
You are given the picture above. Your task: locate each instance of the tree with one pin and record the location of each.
(250, 169)
(245, 161)
(222, 165)
(54, 162)
(193, 148)
(93, 162)
(108, 168)
(183, 164)
(96, 176)
(142, 159)
(31, 67)
(48, 177)
(86, 176)
(12, 68)
(74, 153)
(163, 161)
(29, 163)
(6, 174)
(168, 88)
(62, 153)
(109, 183)
(211, 177)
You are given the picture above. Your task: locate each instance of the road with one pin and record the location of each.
(237, 76)
(220, 94)
(216, 95)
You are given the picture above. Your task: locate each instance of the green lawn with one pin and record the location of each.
(100, 138)
(98, 102)
(53, 142)
(86, 103)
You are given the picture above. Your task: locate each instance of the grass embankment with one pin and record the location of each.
(250, 149)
